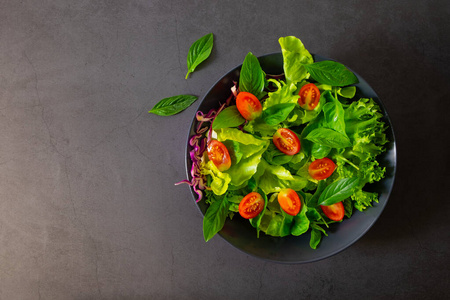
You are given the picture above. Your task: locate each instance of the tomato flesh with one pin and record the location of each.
(321, 168)
(219, 155)
(289, 201)
(334, 212)
(251, 205)
(248, 105)
(309, 96)
(286, 141)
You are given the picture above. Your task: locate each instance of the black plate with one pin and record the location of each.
(239, 233)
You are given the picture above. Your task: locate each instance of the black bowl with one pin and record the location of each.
(239, 233)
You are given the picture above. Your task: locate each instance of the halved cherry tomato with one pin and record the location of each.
(334, 212)
(289, 201)
(219, 155)
(251, 205)
(286, 141)
(309, 96)
(321, 168)
(248, 105)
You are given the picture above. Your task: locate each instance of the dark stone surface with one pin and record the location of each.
(88, 208)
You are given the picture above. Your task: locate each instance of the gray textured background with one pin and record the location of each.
(88, 209)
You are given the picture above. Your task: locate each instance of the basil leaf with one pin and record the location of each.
(173, 105)
(215, 218)
(229, 117)
(328, 137)
(316, 236)
(319, 151)
(338, 191)
(252, 78)
(301, 221)
(277, 113)
(333, 113)
(331, 72)
(198, 52)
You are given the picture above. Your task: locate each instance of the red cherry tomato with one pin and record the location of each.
(309, 96)
(219, 155)
(289, 201)
(248, 105)
(321, 168)
(251, 205)
(286, 141)
(334, 212)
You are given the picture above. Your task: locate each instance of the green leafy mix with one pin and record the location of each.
(348, 131)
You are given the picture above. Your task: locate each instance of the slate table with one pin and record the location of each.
(88, 206)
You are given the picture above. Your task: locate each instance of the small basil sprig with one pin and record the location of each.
(198, 52)
(338, 191)
(331, 73)
(173, 105)
(252, 77)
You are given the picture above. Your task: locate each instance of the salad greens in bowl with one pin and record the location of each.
(291, 157)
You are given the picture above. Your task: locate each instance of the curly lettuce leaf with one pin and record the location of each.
(363, 200)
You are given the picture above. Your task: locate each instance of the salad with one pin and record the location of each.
(292, 153)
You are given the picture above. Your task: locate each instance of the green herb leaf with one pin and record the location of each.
(252, 77)
(316, 236)
(338, 191)
(312, 202)
(319, 151)
(347, 92)
(229, 117)
(215, 218)
(199, 51)
(173, 105)
(277, 113)
(331, 72)
(348, 207)
(333, 113)
(328, 137)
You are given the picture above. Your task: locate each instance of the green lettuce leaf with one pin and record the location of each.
(220, 181)
(295, 56)
(272, 178)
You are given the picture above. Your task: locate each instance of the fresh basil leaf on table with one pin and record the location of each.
(199, 51)
(252, 77)
(173, 105)
(331, 72)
